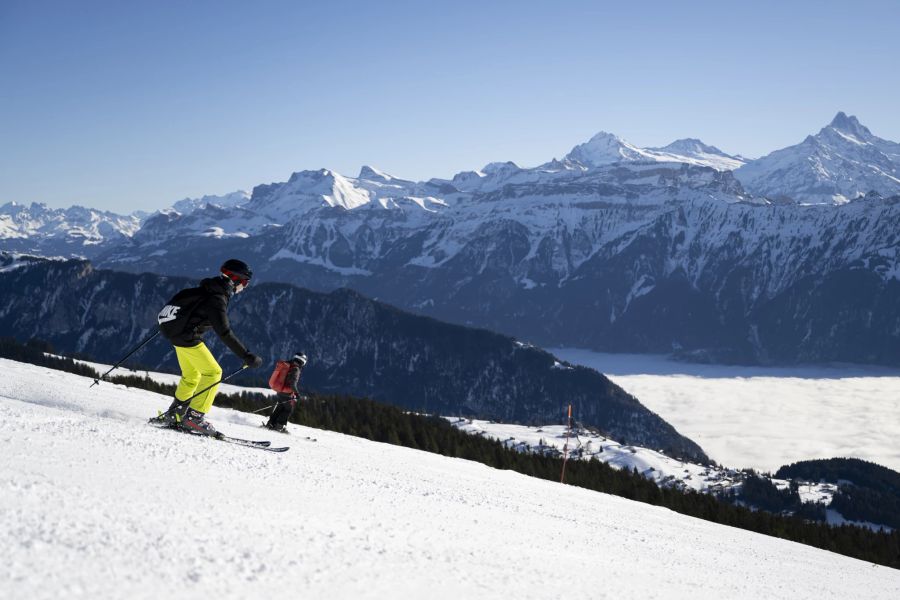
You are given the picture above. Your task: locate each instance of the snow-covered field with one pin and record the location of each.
(764, 417)
(95, 504)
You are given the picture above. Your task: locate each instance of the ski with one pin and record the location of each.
(260, 444)
(249, 443)
(159, 423)
(286, 432)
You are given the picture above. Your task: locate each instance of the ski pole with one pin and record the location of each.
(270, 406)
(224, 379)
(124, 358)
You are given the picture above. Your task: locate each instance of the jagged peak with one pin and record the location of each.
(314, 175)
(842, 121)
(371, 173)
(562, 165)
(604, 136)
(849, 125)
(42, 208)
(604, 148)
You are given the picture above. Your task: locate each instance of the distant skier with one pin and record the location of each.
(285, 380)
(185, 319)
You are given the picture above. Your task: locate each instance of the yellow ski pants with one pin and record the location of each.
(198, 370)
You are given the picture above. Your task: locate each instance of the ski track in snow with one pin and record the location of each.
(764, 417)
(96, 504)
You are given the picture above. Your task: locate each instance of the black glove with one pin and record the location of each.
(253, 361)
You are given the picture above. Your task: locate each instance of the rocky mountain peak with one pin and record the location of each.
(840, 163)
(372, 174)
(850, 125)
(604, 148)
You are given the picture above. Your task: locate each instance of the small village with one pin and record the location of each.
(586, 443)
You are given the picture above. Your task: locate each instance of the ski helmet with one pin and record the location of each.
(300, 357)
(237, 271)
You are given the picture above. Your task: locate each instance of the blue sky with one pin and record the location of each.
(125, 105)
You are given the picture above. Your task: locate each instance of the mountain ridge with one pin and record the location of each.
(567, 254)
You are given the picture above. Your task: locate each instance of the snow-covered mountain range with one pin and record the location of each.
(64, 231)
(613, 247)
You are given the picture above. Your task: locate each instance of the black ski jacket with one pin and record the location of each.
(206, 307)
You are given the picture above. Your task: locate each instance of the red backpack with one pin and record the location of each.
(276, 381)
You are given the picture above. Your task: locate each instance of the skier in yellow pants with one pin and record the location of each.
(188, 316)
(199, 370)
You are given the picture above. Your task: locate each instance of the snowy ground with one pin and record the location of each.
(95, 504)
(764, 417)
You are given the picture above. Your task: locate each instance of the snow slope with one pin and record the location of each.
(765, 417)
(95, 504)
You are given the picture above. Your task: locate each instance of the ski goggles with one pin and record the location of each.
(240, 282)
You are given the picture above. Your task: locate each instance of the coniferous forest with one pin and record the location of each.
(866, 491)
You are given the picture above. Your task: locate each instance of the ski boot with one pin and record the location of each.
(195, 422)
(173, 415)
(279, 429)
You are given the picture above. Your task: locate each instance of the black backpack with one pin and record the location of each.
(174, 317)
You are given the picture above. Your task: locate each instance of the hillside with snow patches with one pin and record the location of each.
(586, 444)
(97, 504)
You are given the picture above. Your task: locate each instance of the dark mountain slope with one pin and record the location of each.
(356, 346)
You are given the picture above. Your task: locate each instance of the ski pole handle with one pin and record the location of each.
(124, 358)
